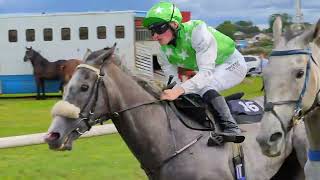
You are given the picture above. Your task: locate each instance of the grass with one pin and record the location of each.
(104, 157)
(251, 86)
(24, 116)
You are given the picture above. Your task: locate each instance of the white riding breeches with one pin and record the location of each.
(228, 74)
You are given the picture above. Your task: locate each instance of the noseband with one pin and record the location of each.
(298, 114)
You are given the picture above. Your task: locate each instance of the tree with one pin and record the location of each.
(243, 23)
(227, 28)
(246, 27)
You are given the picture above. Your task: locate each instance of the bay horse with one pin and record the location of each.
(67, 69)
(45, 70)
(292, 84)
(102, 89)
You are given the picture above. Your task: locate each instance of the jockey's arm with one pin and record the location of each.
(205, 46)
(168, 69)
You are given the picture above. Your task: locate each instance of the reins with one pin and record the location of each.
(91, 120)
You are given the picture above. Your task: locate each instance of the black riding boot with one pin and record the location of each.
(221, 111)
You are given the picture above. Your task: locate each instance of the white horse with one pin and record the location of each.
(292, 86)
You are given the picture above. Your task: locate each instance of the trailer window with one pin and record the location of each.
(119, 32)
(143, 34)
(101, 32)
(47, 34)
(30, 35)
(83, 33)
(65, 34)
(13, 35)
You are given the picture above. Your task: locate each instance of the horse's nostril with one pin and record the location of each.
(52, 136)
(276, 136)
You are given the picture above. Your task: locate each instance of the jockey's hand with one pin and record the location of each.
(172, 94)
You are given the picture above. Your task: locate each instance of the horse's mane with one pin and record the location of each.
(151, 86)
(37, 54)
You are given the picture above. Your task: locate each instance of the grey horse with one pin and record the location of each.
(164, 146)
(291, 93)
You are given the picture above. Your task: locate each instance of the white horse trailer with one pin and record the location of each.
(67, 36)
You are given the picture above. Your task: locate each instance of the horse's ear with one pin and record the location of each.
(277, 30)
(106, 54)
(86, 55)
(316, 34)
(311, 35)
(107, 48)
(113, 47)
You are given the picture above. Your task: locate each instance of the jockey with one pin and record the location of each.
(196, 46)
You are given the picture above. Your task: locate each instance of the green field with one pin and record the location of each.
(104, 157)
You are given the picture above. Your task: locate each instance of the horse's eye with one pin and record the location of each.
(84, 87)
(300, 74)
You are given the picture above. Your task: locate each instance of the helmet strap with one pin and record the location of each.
(173, 41)
(174, 31)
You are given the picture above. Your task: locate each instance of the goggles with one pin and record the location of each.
(159, 28)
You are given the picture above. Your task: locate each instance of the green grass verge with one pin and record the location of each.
(24, 116)
(251, 86)
(104, 157)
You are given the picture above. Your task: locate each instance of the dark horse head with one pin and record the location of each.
(30, 54)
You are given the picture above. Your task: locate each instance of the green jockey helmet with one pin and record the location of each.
(162, 12)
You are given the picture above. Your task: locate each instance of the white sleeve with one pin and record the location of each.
(205, 46)
(167, 68)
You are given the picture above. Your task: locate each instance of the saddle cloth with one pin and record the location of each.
(193, 107)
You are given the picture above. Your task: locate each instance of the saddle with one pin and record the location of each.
(195, 114)
(193, 108)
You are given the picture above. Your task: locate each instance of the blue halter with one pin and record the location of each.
(313, 155)
(298, 52)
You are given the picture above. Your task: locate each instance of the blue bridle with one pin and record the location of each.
(298, 115)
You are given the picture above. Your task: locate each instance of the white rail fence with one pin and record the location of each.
(31, 139)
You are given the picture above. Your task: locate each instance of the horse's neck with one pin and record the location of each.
(145, 129)
(312, 124)
(39, 59)
(316, 56)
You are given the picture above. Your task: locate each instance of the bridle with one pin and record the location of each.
(90, 119)
(87, 113)
(298, 113)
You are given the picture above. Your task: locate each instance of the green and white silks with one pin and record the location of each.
(184, 54)
(219, 65)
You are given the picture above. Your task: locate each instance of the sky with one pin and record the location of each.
(214, 12)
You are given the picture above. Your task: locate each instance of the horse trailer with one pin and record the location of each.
(67, 36)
